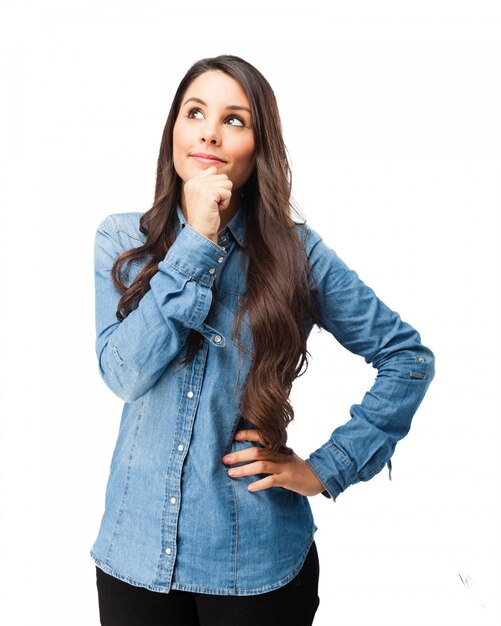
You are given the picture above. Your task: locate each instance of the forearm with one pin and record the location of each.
(360, 448)
(134, 353)
(366, 326)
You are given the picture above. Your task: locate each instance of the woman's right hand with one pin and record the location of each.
(205, 195)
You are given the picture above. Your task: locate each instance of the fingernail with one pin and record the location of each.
(227, 459)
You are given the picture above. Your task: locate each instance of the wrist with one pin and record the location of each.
(211, 236)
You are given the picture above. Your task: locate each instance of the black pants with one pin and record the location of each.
(294, 604)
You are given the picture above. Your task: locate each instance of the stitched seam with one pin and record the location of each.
(235, 561)
(121, 229)
(345, 459)
(321, 479)
(195, 309)
(118, 228)
(186, 273)
(126, 485)
(196, 588)
(206, 240)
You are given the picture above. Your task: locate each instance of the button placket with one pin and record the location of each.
(185, 421)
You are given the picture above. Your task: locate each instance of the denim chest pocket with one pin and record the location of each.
(229, 304)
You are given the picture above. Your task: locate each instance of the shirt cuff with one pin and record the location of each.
(196, 256)
(333, 469)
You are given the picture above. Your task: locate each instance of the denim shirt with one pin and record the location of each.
(173, 518)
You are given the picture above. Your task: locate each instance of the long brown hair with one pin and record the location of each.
(278, 297)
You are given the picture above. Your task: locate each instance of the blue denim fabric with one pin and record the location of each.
(173, 518)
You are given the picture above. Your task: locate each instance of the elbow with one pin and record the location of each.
(416, 363)
(414, 359)
(425, 359)
(127, 393)
(422, 368)
(124, 384)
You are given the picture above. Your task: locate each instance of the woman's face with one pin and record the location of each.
(214, 118)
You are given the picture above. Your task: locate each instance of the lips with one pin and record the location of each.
(208, 158)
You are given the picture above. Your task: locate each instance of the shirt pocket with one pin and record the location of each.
(232, 301)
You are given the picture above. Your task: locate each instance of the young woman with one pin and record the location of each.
(203, 309)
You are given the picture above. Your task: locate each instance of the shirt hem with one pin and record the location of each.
(179, 586)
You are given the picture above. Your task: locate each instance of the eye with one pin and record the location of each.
(239, 120)
(194, 110)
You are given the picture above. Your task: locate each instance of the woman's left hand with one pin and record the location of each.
(287, 471)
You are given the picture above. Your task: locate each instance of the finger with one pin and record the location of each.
(225, 194)
(252, 434)
(216, 181)
(259, 467)
(264, 483)
(247, 454)
(212, 172)
(212, 169)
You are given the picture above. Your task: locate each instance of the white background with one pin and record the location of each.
(391, 115)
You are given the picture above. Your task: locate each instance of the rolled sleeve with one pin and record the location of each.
(134, 353)
(363, 324)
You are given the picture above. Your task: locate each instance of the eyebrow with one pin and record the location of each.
(231, 107)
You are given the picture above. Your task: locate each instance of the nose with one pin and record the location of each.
(210, 135)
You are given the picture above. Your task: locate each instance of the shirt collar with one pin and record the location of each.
(236, 225)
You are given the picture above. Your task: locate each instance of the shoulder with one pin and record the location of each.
(309, 237)
(123, 229)
(328, 268)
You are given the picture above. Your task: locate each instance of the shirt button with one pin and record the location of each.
(212, 270)
(168, 550)
(180, 447)
(421, 359)
(190, 394)
(217, 338)
(173, 500)
(220, 260)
